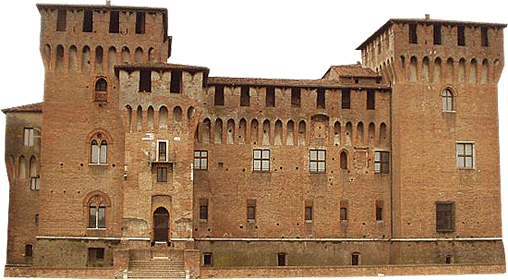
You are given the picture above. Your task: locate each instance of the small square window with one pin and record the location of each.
(261, 160)
(317, 161)
(465, 155)
(382, 162)
(200, 160)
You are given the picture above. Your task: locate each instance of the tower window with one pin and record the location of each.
(281, 259)
(88, 21)
(321, 99)
(261, 160)
(203, 209)
(162, 154)
(379, 210)
(200, 160)
(207, 259)
(219, 96)
(101, 87)
(295, 98)
(28, 135)
(308, 213)
(465, 155)
(28, 250)
(99, 150)
(346, 99)
(413, 36)
(445, 216)
(270, 97)
(140, 23)
(371, 100)
(485, 36)
(317, 160)
(382, 162)
(461, 37)
(343, 213)
(437, 34)
(244, 96)
(176, 82)
(61, 20)
(355, 259)
(114, 22)
(162, 174)
(251, 209)
(145, 81)
(447, 100)
(97, 213)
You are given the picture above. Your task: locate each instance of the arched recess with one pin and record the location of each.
(413, 72)
(278, 133)
(99, 57)
(151, 54)
(485, 72)
(359, 133)
(403, 67)
(139, 118)
(426, 70)
(73, 60)
(150, 118)
(126, 55)
(343, 160)
(207, 126)
(22, 167)
(218, 131)
(349, 133)
(473, 71)
(383, 134)
(254, 134)
(230, 126)
(266, 132)
(290, 137)
(47, 56)
(372, 133)
(302, 133)
(498, 68)
(437, 70)
(177, 114)
(111, 59)
(163, 118)
(450, 69)
(138, 55)
(190, 113)
(11, 167)
(85, 59)
(59, 58)
(242, 131)
(128, 111)
(461, 74)
(336, 133)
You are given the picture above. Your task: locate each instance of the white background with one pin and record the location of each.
(266, 39)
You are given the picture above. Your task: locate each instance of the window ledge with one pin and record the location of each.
(308, 221)
(380, 222)
(97, 164)
(95, 228)
(317, 172)
(449, 111)
(200, 169)
(445, 230)
(260, 171)
(251, 221)
(203, 220)
(466, 168)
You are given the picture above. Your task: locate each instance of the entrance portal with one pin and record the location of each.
(161, 225)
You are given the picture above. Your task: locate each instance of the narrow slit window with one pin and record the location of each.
(379, 210)
(308, 213)
(461, 36)
(346, 99)
(251, 209)
(437, 34)
(321, 99)
(343, 213)
(295, 98)
(281, 259)
(28, 136)
(355, 259)
(485, 36)
(88, 21)
(61, 20)
(162, 151)
(140, 23)
(371, 100)
(145, 81)
(203, 209)
(207, 259)
(114, 22)
(176, 82)
(413, 35)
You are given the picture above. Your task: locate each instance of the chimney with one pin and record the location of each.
(427, 16)
(108, 3)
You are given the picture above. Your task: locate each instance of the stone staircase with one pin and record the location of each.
(160, 268)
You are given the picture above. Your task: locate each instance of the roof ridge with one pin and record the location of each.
(33, 107)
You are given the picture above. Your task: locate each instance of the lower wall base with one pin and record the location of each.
(273, 272)
(390, 270)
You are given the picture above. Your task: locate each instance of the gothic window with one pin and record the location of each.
(96, 213)
(98, 150)
(447, 99)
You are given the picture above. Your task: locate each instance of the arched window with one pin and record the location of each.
(96, 213)
(101, 87)
(447, 100)
(98, 150)
(343, 160)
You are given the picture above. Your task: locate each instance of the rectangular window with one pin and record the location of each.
(207, 259)
(371, 100)
(346, 99)
(413, 36)
(445, 216)
(162, 174)
(37, 219)
(308, 211)
(203, 208)
(140, 23)
(162, 153)
(261, 160)
(28, 135)
(382, 162)
(102, 216)
(35, 183)
(95, 254)
(176, 82)
(92, 217)
(200, 160)
(29, 250)
(251, 209)
(145, 81)
(219, 96)
(88, 21)
(321, 99)
(244, 96)
(61, 20)
(465, 155)
(485, 36)
(343, 213)
(114, 22)
(461, 36)
(355, 259)
(295, 98)
(437, 34)
(270, 97)
(281, 259)
(379, 210)
(317, 159)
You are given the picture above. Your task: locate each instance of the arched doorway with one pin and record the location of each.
(161, 225)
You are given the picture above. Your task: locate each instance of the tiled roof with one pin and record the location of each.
(36, 107)
(161, 66)
(322, 83)
(110, 7)
(354, 70)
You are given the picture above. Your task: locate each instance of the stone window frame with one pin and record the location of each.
(462, 153)
(158, 158)
(99, 200)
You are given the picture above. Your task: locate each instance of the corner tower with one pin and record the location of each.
(445, 141)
